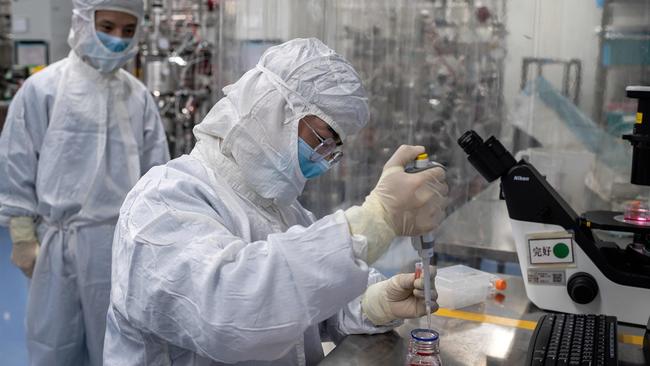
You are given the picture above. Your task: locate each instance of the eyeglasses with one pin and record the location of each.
(326, 149)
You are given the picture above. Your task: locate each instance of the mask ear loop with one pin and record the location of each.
(286, 93)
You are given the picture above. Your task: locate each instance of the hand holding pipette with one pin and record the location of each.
(399, 297)
(426, 242)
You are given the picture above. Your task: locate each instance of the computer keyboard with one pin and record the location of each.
(570, 339)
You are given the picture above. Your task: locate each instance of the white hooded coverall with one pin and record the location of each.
(214, 260)
(75, 142)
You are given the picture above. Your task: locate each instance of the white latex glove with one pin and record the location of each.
(402, 204)
(399, 297)
(25, 243)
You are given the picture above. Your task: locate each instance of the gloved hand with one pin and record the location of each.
(25, 243)
(399, 297)
(402, 204)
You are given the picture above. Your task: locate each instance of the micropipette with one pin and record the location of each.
(426, 242)
(426, 255)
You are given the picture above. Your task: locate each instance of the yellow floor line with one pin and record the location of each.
(483, 318)
(631, 339)
(516, 323)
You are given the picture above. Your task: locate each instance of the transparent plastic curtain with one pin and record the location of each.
(433, 69)
(177, 62)
(436, 68)
(574, 138)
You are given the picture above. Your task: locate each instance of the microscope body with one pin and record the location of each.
(565, 266)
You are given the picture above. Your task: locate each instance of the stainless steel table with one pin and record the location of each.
(491, 333)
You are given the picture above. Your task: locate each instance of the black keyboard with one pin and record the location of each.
(574, 340)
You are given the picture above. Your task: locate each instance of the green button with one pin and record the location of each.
(561, 250)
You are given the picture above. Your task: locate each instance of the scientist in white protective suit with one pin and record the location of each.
(78, 136)
(215, 261)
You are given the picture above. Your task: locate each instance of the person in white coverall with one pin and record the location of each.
(215, 261)
(79, 135)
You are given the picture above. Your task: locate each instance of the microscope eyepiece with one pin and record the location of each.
(470, 141)
(490, 158)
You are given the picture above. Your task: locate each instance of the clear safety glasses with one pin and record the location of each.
(326, 149)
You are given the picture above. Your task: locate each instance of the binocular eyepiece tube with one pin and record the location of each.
(490, 158)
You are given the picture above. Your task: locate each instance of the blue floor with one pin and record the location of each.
(13, 297)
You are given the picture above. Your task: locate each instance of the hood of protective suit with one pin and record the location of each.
(83, 37)
(255, 125)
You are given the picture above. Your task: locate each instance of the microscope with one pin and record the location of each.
(565, 265)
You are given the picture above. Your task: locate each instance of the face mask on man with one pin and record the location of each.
(105, 52)
(309, 167)
(114, 44)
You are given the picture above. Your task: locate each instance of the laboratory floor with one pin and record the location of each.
(13, 297)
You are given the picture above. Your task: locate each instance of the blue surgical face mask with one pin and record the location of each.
(115, 44)
(310, 169)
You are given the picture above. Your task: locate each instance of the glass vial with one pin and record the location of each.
(424, 348)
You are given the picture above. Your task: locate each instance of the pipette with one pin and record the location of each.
(425, 251)
(419, 272)
(427, 241)
(426, 254)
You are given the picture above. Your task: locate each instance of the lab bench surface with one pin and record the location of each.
(496, 332)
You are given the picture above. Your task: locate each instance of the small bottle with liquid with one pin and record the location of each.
(424, 348)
